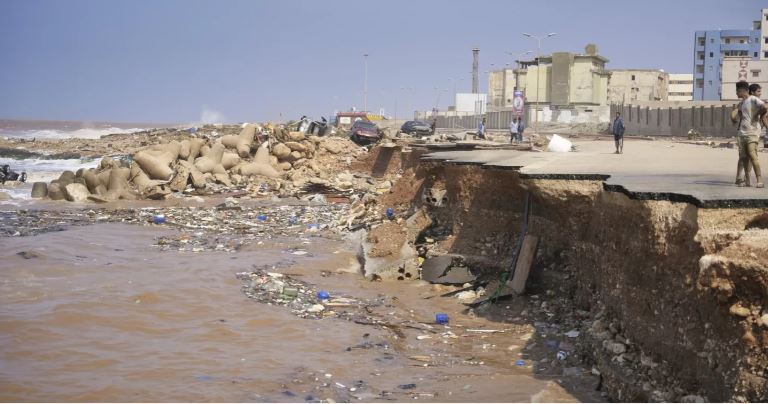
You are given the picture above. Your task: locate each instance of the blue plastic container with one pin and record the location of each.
(441, 318)
(390, 213)
(262, 218)
(159, 219)
(323, 295)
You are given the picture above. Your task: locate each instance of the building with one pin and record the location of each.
(711, 47)
(680, 87)
(625, 86)
(743, 68)
(561, 80)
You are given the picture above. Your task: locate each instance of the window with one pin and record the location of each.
(709, 83)
(701, 55)
(727, 40)
(701, 41)
(699, 83)
(711, 54)
(765, 54)
(633, 77)
(755, 54)
(711, 40)
(755, 73)
(766, 39)
(700, 69)
(741, 41)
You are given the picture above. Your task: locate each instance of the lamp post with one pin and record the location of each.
(538, 76)
(365, 84)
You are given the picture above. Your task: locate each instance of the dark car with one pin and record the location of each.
(416, 128)
(364, 131)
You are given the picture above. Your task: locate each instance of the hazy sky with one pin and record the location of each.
(177, 61)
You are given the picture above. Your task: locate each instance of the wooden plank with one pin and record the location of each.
(524, 262)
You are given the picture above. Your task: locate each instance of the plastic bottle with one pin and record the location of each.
(159, 219)
(441, 318)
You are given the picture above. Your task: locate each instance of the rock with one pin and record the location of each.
(467, 296)
(316, 308)
(67, 177)
(76, 192)
(332, 147)
(281, 151)
(616, 348)
(296, 136)
(4, 196)
(179, 181)
(296, 146)
(39, 190)
(764, 320)
(294, 156)
(739, 310)
(285, 166)
(693, 399)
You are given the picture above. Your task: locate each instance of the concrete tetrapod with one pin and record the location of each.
(260, 165)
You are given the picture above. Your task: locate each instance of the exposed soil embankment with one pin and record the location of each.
(677, 295)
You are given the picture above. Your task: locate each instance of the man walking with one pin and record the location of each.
(513, 130)
(481, 129)
(747, 115)
(618, 133)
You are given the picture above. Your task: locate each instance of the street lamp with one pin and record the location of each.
(365, 84)
(538, 76)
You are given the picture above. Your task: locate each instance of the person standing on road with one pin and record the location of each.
(513, 130)
(748, 114)
(617, 129)
(481, 129)
(520, 129)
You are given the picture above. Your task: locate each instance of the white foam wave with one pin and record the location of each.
(47, 170)
(86, 133)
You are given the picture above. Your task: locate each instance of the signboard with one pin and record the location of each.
(518, 104)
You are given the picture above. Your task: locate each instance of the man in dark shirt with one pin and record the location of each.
(618, 133)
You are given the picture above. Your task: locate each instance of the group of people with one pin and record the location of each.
(516, 129)
(750, 116)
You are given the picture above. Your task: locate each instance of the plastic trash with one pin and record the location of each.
(520, 363)
(559, 144)
(262, 218)
(159, 219)
(390, 213)
(290, 292)
(441, 318)
(314, 226)
(293, 220)
(323, 295)
(561, 355)
(408, 386)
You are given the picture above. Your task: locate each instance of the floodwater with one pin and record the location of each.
(97, 313)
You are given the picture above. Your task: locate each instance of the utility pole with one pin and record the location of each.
(538, 77)
(365, 84)
(475, 61)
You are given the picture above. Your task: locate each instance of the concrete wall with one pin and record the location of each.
(710, 120)
(501, 119)
(627, 85)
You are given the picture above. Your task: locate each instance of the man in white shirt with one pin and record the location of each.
(748, 115)
(513, 130)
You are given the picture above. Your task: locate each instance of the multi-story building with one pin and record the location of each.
(743, 68)
(562, 79)
(628, 85)
(680, 87)
(710, 47)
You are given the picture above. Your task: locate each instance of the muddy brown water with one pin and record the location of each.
(97, 313)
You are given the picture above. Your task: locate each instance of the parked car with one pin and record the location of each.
(416, 128)
(364, 131)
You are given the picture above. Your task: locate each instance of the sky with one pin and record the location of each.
(244, 61)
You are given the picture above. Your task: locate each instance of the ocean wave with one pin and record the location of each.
(84, 133)
(47, 170)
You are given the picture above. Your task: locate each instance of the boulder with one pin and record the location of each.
(332, 148)
(76, 192)
(296, 146)
(281, 151)
(296, 136)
